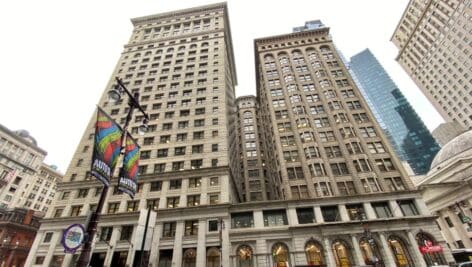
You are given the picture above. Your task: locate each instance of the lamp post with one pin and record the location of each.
(114, 95)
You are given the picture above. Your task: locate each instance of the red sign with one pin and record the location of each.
(430, 249)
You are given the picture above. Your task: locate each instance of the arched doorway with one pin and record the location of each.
(370, 252)
(213, 257)
(280, 255)
(431, 250)
(244, 254)
(400, 252)
(190, 258)
(341, 253)
(314, 253)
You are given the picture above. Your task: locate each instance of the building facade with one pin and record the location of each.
(255, 185)
(447, 131)
(25, 180)
(433, 41)
(447, 190)
(405, 130)
(342, 207)
(18, 228)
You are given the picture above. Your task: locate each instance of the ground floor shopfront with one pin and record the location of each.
(393, 231)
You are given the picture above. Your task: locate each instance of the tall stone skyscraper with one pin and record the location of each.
(182, 64)
(405, 130)
(433, 40)
(325, 138)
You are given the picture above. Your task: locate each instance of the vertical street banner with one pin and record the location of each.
(129, 173)
(107, 147)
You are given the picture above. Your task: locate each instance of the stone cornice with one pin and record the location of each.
(21, 140)
(177, 13)
(291, 36)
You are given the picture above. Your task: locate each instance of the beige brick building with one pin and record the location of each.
(434, 47)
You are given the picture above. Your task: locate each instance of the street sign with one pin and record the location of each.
(73, 237)
(466, 219)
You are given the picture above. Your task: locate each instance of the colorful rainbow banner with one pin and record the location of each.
(107, 147)
(129, 173)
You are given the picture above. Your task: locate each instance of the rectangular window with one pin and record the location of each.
(305, 215)
(132, 206)
(173, 202)
(75, 211)
(153, 204)
(408, 207)
(156, 186)
(113, 207)
(195, 182)
(47, 237)
(382, 210)
(242, 220)
(169, 229)
(355, 212)
(275, 218)
(193, 200)
(191, 228)
(330, 213)
(126, 232)
(175, 184)
(105, 233)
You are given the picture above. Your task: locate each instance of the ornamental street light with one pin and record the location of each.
(114, 96)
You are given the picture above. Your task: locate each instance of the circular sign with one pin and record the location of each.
(72, 237)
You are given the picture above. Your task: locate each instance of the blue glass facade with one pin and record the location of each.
(405, 130)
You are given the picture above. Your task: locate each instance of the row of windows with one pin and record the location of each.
(306, 215)
(133, 206)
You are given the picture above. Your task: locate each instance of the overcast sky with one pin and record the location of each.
(57, 56)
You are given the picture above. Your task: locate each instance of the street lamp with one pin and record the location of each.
(114, 95)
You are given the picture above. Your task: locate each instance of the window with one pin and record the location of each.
(295, 173)
(173, 202)
(76, 210)
(39, 260)
(58, 212)
(212, 225)
(339, 169)
(162, 153)
(370, 185)
(159, 168)
(153, 204)
(196, 164)
(385, 165)
(156, 186)
(198, 135)
(214, 181)
(169, 229)
(197, 149)
(126, 232)
(382, 210)
(408, 207)
(395, 183)
(177, 166)
(175, 184)
(132, 206)
(330, 213)
(105, 233)
(82, 193)
(448, 221)
(214, 147)
(181, 137)
(113, 207)
(242, 220)
(275, 218)
(195, 182)
(305, 215)
(47, 237)
(191, 227)
(193, 200)
(65, 195)
(355, 212)
(178, 151)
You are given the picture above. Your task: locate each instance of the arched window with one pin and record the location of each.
(324, 48)
(341, 254)
(370, 252)
(314, 253)
(204, 44)
(280, 255)
(400, 252)
(190, 258)
(244, 254)
(170, 50)
(431, 250)
(213, 257)
(181, 48)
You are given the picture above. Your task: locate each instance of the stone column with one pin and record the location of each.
(258, 219)
(52, 246)
(34, 248)
(389, 259)
(292, 216)
(357, 250)
(329, 257)
(416, 254)
(396, 211)
(201, 244)
(261, 251)
(459, 227)
(343, 213)
(226, 245)
(318, 214)
(156, 237)
(369, 211)
(421, 206)
(177, 253)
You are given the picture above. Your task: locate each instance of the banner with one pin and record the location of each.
(107, 147)
(129, 173)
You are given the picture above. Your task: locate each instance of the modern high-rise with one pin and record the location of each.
(332, 202)
(25, 180)
(405, 130)
(433, 40)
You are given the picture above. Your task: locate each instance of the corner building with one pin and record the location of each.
(190, 168)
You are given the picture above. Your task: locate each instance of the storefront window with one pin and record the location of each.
(341, 254)
(280, 255)
(314, 253)
(370, 252)
(400, 253)
(244, 256)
